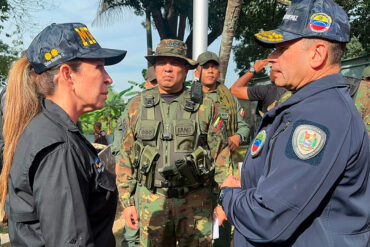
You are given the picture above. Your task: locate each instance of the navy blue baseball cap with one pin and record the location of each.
(60, 43)
(309, 18)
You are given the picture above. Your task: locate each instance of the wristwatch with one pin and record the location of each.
(221, 195)
(252, 70)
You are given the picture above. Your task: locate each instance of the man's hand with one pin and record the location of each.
(130, 216)
(234, 142)
(231, 181)
(259, 65)
(220, 214)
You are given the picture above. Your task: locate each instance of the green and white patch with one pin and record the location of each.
(308, 141)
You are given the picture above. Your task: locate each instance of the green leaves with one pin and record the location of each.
(257, 15)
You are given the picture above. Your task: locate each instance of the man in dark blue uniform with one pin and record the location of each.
(305, 178)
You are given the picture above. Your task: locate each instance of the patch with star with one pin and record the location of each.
(307, 142)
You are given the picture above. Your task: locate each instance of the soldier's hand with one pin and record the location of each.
(130, 216)
(234, 142)
(231, 181)
(220, 214)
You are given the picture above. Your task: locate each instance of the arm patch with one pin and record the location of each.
(307, 142)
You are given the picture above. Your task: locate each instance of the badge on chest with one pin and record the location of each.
(258, 143)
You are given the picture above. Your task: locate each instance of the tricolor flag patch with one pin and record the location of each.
(99, 166)
(217, 124)
(258, 143)
(242, 113)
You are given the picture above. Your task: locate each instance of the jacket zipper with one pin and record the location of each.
(274, 137)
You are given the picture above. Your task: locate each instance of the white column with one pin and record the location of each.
(200, 27)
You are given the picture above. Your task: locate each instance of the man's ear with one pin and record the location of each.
(320, 54)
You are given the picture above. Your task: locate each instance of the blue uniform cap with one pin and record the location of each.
(59, 43)
(309, 18)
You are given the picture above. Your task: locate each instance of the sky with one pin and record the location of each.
(125, 33)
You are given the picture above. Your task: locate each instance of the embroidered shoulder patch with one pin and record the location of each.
(308, 141)
(258, 143)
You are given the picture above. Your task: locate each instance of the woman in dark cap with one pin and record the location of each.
(55, 190)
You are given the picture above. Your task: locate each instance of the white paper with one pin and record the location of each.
(215, 233)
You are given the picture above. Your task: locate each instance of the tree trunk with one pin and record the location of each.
(148, 27)
(159, 23)
(182, 25)
(231, 19)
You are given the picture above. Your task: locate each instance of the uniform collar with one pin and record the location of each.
(312, 88)
(57, 114)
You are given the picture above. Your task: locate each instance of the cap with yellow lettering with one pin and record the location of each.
(59, 43)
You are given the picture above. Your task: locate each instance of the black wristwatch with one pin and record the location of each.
(252, 70)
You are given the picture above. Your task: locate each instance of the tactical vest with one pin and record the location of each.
(227, 109)
(168, 147)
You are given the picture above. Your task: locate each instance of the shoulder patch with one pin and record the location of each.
(307, 142)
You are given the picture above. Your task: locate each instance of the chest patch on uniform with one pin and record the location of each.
(147, 133)
(242, 113)
(218, 123)
(258, 143)
(308, 141)
(99, 166)
(184, 130)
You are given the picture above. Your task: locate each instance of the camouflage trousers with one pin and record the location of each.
(131, 236)
(174, 221)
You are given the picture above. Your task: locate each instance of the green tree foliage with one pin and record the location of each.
(114, 106)
(170, 17)
(255, 16)
(258, 15)
(17, 15)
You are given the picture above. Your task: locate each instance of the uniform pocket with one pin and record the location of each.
(185, 133)
(148, 132)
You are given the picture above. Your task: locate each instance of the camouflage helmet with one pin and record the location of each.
(366, 72)
(171, 48)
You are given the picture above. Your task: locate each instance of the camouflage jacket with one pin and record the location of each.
(243, 128)
(209, 123)
(362, 102)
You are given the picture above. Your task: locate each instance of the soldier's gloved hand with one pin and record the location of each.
(130, 216)
(231, 181)
(234, 142)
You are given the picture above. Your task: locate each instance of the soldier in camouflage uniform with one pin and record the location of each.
(130, 236)
(173, 154)
(231, 113)
(362, 98)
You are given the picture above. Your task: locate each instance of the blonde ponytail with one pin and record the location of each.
(21, 106)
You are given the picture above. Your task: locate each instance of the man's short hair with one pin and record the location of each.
(98, 124)
(336, 49)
